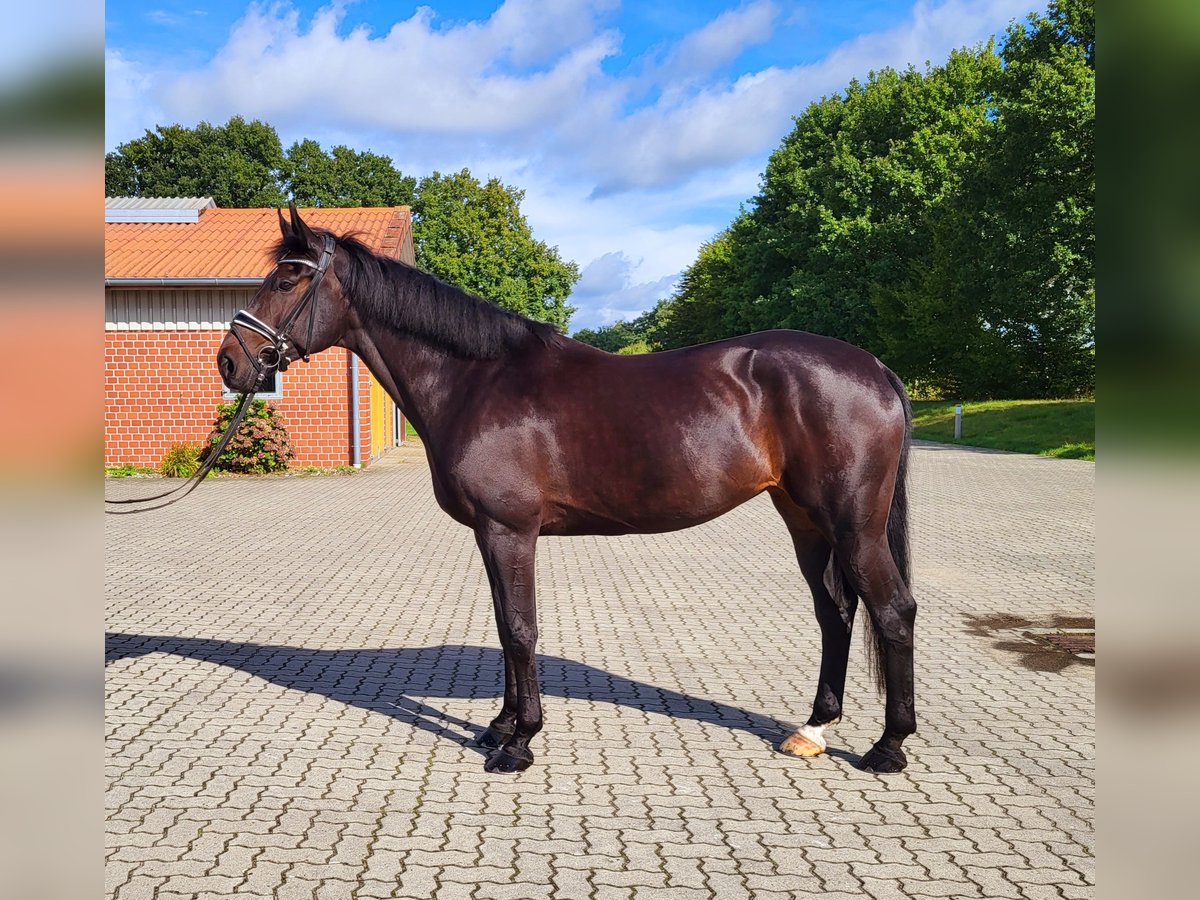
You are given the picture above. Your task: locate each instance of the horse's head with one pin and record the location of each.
(299, 310)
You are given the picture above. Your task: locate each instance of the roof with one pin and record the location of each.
(236, 243)
(159, 203)
(155, 209)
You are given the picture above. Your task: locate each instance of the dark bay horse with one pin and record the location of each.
(529, 433)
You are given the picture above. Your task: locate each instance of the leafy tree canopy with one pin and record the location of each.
(469, 233)
(474, 235)
(943, 219)
(639, 336)
(343, 177)
(237, 164)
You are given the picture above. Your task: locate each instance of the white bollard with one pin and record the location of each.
(957, 421)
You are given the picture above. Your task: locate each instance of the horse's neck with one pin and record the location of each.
(425, 381)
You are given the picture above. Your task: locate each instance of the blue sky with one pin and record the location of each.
(636, 129)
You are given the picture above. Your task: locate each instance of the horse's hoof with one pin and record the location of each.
(505, 760)
(495, 736)
(883, 760)
(799, 744)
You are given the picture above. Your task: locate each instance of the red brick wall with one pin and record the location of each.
(162, 387)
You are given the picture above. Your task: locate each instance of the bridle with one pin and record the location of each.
(271, 357)
(274, 355)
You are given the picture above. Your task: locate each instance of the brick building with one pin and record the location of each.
(175, 271)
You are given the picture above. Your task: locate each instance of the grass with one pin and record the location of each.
(409, 431)
(1062, 428)
(302, 471)
(291, 472)
(126, 471)
(318, 471)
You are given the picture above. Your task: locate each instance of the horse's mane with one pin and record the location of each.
(395, 294)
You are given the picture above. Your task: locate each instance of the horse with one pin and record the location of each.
(531, 433)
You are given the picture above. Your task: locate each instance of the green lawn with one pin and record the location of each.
(1062, 428)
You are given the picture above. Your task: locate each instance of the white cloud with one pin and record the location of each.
(606, 292)
(529, 81)
(720, 41)
(128, 112)
(170, 20)
(628, 192)
(719, 124)
(471, 79)
(604, 274)
(535, 32)
(631, 249)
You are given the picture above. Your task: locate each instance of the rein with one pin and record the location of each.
(269, 359)
(210, 460)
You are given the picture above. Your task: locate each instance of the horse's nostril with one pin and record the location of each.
(225, 364)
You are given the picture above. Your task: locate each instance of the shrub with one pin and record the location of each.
(181, 461)
(260, 445)
(634, 349)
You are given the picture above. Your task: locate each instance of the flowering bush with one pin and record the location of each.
(260, 445)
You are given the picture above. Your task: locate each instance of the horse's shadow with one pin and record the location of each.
(388, 681)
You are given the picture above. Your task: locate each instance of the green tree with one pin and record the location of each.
(307, 174)
(475, 236)
(343, 177)
(607, 337)
(847, 201)
(469, 233)
(710, 302)
(237, 164)
(1031, 204)
(640, 335)
(944, 220)
(842, 215)
(635, 348)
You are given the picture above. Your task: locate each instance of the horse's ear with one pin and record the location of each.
(299, 227)
(283, 224)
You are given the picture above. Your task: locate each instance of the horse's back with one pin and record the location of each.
(778, 373)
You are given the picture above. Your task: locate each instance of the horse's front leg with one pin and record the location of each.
(502, 727)
(508, 555)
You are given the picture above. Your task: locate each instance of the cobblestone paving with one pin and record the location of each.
(298, 667)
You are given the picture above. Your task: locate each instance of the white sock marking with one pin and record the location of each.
(813, 733)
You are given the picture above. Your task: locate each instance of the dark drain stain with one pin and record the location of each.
(1072, 643)
(1039, 645)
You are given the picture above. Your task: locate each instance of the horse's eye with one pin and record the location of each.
(286, 286)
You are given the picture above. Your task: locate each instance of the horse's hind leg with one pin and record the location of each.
(893, 613)
(835, 604)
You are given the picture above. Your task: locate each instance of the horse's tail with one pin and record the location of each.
(898, 516)
(897, 531)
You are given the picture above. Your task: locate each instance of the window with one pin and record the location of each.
(272, 390)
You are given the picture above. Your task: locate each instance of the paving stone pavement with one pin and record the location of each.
(297, 668)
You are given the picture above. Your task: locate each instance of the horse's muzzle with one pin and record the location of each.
(239, 373)
(227, 366)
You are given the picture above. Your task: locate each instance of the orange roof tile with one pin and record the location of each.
(235, 243)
